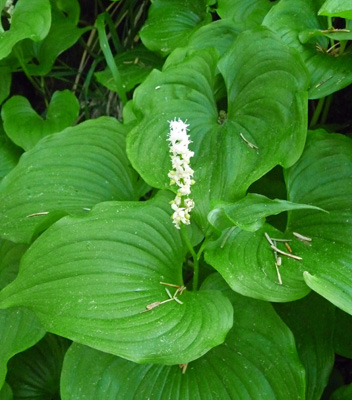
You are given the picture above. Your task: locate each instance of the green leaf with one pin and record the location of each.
(6, 392)
(248, 13)
(31, 19)
(10, 256)
(219, 34)
(272, 117)
(246, 260)
(329, 70)
(336, 8)
(312, 323)
(342, 334)
(328, 260)
(25, 127)
(9, 154)
(68, 172)
(19, 330)
(35, 373)
(62, 35)
(257, 361)
(134, 65)
(343, 393)
(250, 212)
(91, 278)
(170, 23)
(5, 82)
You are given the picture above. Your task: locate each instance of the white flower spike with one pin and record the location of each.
(181, 174)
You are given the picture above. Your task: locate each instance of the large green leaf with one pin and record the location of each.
(31, 19)
(266, 106)
(25, 127)
(248, 13)
(91, 278)
(19, 330)
(67, 172)
(35, 373)
(322, 177)
(257, 361)
(170, 23)
(337, 8)
(312, 323)
(329, 70)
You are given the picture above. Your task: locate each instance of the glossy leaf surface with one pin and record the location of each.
(91, 279)
(322, 177)
(68, 172)
(225, 163)
(257, 361)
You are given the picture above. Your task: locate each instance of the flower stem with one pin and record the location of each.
(187, 242)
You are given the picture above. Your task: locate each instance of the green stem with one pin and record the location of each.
(326, 109)
(187, 242)
(317, 112)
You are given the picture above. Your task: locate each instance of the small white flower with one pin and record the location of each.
(181, 174)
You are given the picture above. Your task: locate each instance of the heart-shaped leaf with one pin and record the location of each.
(170, 23)
(329, 70)
(92, 279)
(67, 172)
(265, 117)
(257, 361)
(19, 330)
(35, 373)
(312, 323)
(247, 260)
(25, 127)
(62, 35)
(337, 8)
(31, 19)
(250, 212)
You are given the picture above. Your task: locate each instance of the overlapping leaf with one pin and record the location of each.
(337, 8)
(5, 82)
(19, 330)
(330, 71)
(170, 23)
(91, 278)
(266, 115)
(62, 35)
(312, 322)
(257, 361)
(322, 177)
(25, 127)
(35, 373)
(68, 172)
(133, 65)
(31, 19)
(248, 13)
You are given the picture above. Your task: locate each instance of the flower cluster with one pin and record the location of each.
(181, 173)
